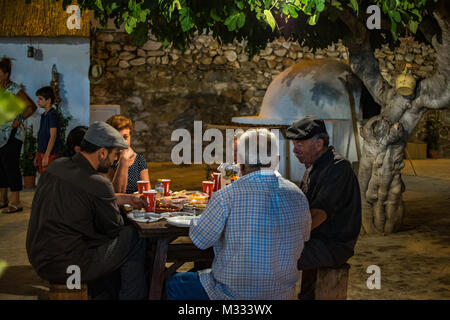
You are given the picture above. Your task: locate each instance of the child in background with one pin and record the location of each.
(48, 129)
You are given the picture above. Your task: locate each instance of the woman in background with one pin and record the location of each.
(74, 141)
(12, 134)
(131, 166)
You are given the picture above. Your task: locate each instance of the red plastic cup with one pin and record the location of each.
(208, 187)
(150, 197)
(217, 184)
(166, 184)
(143, 185)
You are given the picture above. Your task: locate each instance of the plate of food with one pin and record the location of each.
(167, 208)
(145, 217)
(176, 214)
(181, 221)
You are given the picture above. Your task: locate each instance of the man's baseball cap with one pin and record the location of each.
(306, 128)
(103, 135)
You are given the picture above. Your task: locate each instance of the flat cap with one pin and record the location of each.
(103, 135)
(306, 128)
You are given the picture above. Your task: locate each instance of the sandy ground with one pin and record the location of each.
(414, 262)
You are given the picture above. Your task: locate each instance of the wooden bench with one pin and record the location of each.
(181, 253)
(61, 292)
(325, 283)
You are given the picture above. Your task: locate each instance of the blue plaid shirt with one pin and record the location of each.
(257, 225)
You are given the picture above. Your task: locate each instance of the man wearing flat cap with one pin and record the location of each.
(332, 190)
(75, 221)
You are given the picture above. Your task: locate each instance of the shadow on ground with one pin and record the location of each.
(22, 281)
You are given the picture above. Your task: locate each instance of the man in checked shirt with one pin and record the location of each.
(257, 226)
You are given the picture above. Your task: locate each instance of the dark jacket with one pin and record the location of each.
(74, 210)
(332, 186)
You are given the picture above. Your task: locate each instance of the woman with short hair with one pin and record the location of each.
(12, 135)
(131, 166)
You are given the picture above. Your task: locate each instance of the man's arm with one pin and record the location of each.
(205, 232)
(318, 216)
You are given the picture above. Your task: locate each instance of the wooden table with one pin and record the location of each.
(160, 250)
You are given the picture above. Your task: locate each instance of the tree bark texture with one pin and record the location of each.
(385, 136)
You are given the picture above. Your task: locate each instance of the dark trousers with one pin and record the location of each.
(10, 176)
(118, 268)
(315, 255)
(185, 286)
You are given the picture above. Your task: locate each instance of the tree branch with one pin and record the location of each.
(362, 60)
(434, 92)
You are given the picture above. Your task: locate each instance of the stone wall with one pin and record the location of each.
(161, 89)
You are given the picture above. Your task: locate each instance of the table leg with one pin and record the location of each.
(159, 268)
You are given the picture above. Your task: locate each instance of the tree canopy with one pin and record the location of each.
(315, 23)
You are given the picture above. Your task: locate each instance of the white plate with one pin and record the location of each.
(139, 216)
(175, 214)
(183, 221)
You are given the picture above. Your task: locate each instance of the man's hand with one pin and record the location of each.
(137, 201)
(127, 157)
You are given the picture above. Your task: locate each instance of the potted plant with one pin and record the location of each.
(63, 124)
(433, 127)
(27, 157)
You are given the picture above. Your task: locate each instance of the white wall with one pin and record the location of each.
(71, 57)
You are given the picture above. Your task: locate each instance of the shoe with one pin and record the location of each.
(3, 205)
(12, 209)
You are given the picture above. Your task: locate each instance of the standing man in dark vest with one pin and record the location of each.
(333, 194)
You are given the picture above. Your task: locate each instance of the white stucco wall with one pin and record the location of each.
(71, 57)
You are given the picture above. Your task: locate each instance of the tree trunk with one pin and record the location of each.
(385, 136)
(381, 185)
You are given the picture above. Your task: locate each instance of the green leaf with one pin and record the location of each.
(320, 5)
(313, 19)
(270, 19)
(143, 16)
(396, 16)
(185, 19)
(99, 4)
(128, 28)
(239, 4)
(394, 29)
(241, 20)
(417, 13)
(230, 22)
(413, 25)
(355, 6)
